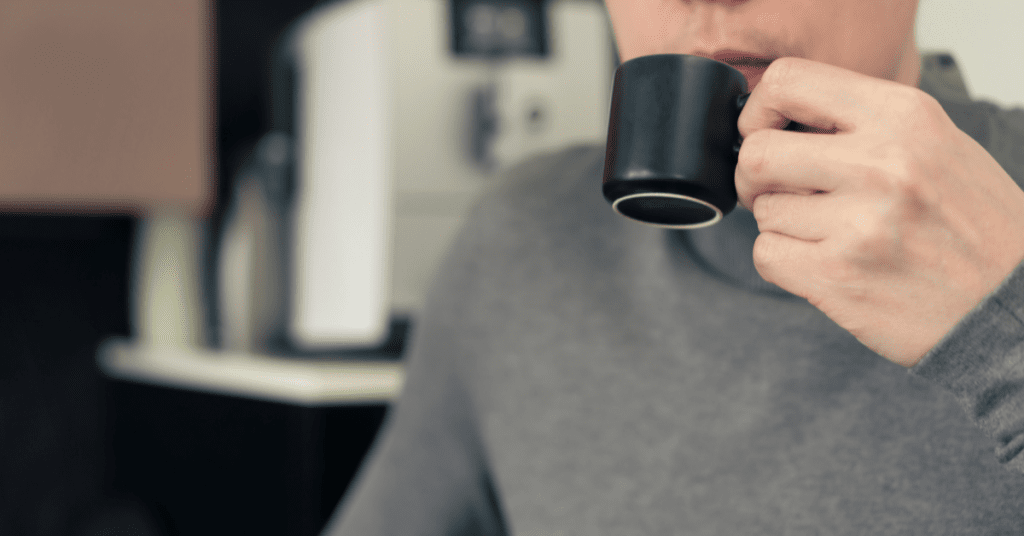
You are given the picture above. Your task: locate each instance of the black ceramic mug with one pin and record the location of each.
(672, 142)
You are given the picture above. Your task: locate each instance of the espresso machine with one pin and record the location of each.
(251, 390)
(389, 119)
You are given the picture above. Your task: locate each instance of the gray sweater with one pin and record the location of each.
(578, 373)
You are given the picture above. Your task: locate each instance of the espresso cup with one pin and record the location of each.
(673, 141)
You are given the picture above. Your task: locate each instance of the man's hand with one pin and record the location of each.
(884, 215)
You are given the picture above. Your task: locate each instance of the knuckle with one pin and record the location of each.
(895, 168)
(922, 101)
(761, 208)
(840, 273)
(751, 164)
(905, 100)
(872, 241)
(912, 108)
(767, 213)
(764, 258)
(902, 179)
(753, 157)
(778, 72)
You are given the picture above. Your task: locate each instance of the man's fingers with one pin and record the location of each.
(788, 262)
(824, 97)
(807, 217)
(780, 161)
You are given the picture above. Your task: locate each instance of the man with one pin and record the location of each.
(578, 373)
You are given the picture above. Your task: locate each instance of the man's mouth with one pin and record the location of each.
(751, 64)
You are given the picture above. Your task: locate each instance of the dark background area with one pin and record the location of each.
(64, 288)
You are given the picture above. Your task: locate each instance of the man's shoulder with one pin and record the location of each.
(1000, 130)
(546, 184)
(942, 78)
(552, 172)
(1006, 143)
(539, 212)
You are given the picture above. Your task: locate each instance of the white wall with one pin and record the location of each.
(987, 39)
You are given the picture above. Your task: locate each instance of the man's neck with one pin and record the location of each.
(909, 68)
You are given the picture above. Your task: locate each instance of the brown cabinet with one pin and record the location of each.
(106, 105)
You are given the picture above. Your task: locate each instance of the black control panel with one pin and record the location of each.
(492, 29)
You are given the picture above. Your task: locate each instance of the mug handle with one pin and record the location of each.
(741, 101)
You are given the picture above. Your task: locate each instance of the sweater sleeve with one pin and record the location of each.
(981, 361)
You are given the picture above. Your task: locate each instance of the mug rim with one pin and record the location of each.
(708, 223)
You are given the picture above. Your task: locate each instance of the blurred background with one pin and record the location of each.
(218, 220)
(984, 42)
